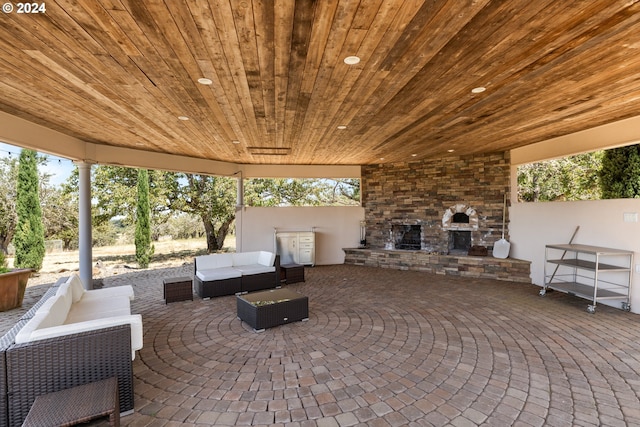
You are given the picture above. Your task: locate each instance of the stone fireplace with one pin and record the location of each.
(450, 203)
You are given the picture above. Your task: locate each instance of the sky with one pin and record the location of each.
(59, 168)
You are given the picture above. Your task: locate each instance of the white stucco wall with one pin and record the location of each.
(336, 227)
(534, 225)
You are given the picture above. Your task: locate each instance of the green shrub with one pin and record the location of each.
(3, 263)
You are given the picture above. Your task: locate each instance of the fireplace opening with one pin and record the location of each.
(460, 218)
(460, 221)
(407, 237)
(459, 242)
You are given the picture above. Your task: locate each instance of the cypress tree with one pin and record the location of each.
(144, 249)
(29, 236)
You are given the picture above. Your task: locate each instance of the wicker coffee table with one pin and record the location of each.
(271, 308)
(76, 405)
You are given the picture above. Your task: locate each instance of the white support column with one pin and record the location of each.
(239, 210)
(84, 214)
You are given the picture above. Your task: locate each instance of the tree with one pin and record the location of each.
(302, 192)
(212, 198)
(281, 192)
(8, 216)
(29, 235)
(59, 206)
(60, 215)
(144, 248)
(620, 174)
(569, 178)
(114, 189)
(342, 192)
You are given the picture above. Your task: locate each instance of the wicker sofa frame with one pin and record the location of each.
(39, 367)
(236, 285)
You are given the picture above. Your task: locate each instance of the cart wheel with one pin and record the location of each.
(542, 292)
(626, 306)
(591, 309)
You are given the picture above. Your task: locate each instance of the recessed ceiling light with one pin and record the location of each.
(351, 60)
(478, 89)
(414, 155)
(342, 127)
(235, 141)
(183, 118)
(450, 151)
(205, 81)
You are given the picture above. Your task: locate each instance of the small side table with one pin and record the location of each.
(76, 405)
(177, 289)
(293, 273)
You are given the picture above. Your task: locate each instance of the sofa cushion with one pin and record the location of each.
(58, 311)
(54, 314)
(255, 269)
(266, 258)
(76, 287)
(96, 308)
(65, 290)
(207, 262)
(245, 258)
(24, 334)
(116, 291)
(46, 305)
(221, 273)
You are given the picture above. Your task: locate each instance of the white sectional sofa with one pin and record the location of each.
(232, 273)
(73, 309)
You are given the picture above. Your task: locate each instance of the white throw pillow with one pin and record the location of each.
(57, 312)
(76, 287)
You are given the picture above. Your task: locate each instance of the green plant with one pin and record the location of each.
(3, 263)
(144, 248)
(620, 174)
(29, 235)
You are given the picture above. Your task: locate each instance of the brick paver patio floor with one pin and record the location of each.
(385, 348)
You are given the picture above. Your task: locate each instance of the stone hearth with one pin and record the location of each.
(509, 269)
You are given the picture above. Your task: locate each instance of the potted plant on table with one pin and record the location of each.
(13, 282)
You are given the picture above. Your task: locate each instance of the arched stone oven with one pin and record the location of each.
(459, 220)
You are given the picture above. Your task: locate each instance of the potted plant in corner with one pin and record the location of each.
(13, 283)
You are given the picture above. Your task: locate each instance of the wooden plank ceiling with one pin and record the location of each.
(122, 72)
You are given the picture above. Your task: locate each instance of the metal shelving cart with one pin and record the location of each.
(580, 271)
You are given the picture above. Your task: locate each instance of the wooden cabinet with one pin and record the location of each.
(590, 272)
(296, 247)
